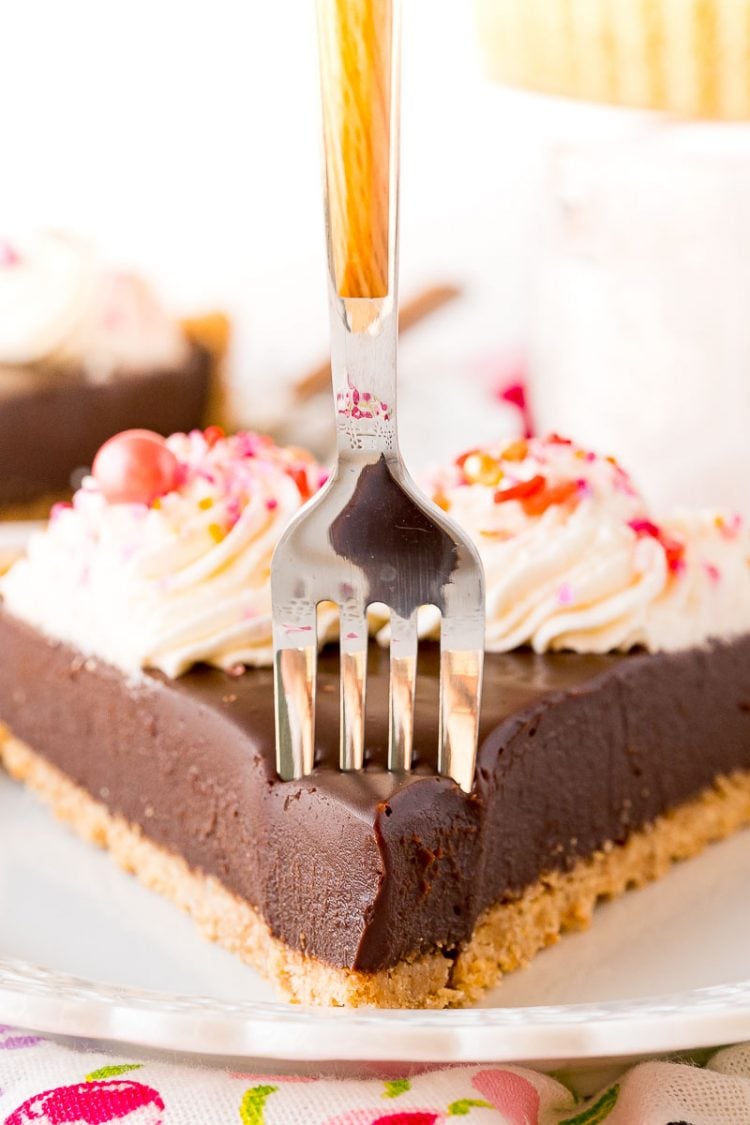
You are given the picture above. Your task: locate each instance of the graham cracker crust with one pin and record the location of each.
(506, 937)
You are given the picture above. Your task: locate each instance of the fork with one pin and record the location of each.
(370, 536)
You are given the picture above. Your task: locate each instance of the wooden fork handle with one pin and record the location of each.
(356, 62)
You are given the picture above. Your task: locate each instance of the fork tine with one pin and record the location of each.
(353, 646)
(295, 665)
(403, 675)
(460, 699)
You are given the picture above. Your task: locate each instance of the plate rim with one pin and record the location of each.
(56, 1003)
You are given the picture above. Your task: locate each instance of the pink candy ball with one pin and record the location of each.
(135, 467)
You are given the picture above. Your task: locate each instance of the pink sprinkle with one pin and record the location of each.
(730, 526)
(516, 394)
(323, 476)
(272, 504)
(233, 512)
(713, 572)
(57, 509)
(644, 527)
(8, 256)
(565, 594)
(352, 636)
(584, 487)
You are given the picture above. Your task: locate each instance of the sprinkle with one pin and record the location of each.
(351, 636)
(555, 439)
(57, 509)
(299, 475)
(644, 527)
(212, 435)
(516, 451)
(205, 503)
(538, 503)
(713, 572)
(236, 670)
(673, 548)
(8, 255)
(464, 457)
(480, 468)
(522, 490)
(730, 527)
(156, 503)
(234, 511)
(565, 594)
(272, 503)
(442, 501)
(515, 394)
(217, 533)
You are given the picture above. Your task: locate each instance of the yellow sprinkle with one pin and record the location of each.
(205, 503)
(216, 532)
(516, 451)
(156, 504)
(480, 468)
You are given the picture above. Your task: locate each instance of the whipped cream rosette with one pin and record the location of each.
(173, 578)
(574, 559)
(61, 308)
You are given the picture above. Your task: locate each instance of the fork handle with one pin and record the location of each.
(358, 64)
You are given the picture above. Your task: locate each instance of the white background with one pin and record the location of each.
(183, 137)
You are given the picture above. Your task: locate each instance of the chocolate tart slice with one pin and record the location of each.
(52, 425)
(595, 772)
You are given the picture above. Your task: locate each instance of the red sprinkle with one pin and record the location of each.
(461, 461)
(272, 504)
(673, 548)
(522, 490)
(538, 503)
(516, 394)
(212, 435)
(298, 473)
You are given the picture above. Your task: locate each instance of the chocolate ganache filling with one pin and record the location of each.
(364, 870)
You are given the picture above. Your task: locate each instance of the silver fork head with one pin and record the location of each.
(371, 537)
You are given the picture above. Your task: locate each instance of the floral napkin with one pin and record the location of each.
(48, 1083)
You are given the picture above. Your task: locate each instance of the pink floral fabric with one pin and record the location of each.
(43, 1082)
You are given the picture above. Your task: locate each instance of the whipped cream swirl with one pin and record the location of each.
(182, 581)
(61, 308)
(574, 560)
